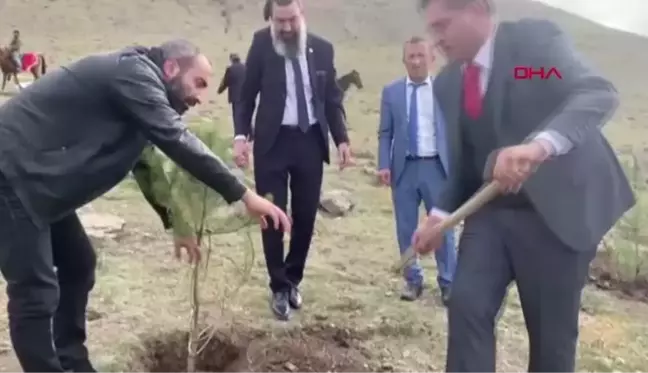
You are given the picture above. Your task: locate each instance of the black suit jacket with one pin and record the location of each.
(265, 76)
(232, 81)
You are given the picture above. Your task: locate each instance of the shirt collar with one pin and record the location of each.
(484, 57)
(427, 81)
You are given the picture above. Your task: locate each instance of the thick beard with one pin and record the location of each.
(290, 45)
(177, 95)
(292, 48)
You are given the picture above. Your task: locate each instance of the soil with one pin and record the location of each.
(604, 276)
(311, 349)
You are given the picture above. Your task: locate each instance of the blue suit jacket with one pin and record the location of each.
(393, 136)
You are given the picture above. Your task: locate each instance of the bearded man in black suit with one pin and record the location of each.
(300, 102)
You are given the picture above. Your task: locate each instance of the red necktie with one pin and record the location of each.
(472, 98)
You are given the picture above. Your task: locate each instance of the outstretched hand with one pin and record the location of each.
(188, 244)
(263, 209)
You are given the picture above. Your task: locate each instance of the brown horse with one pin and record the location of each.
(348, 79)
(32, 62)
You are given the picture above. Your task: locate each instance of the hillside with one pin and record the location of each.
(363, 32)
(351, 297)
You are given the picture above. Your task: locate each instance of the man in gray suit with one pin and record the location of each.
(64, 141)
(562, 186)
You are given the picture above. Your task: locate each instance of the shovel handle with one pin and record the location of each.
(479, 199)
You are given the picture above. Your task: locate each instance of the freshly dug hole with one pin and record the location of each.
(313, 349)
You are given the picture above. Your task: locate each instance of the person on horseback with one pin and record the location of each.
(14, 48)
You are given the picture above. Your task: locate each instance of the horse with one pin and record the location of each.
(33, 62)
(345, 81)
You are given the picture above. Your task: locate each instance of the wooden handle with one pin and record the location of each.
(483, 196)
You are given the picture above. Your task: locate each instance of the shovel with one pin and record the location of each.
(479, 199)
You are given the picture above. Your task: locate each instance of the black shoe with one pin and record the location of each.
(279, 305)
(82, 365)
(411, 292)
(81, 371)
(295, 298)
(445, 295)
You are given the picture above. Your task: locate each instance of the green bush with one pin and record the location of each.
(626, 247)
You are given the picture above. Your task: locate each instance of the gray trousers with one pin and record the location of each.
(499, 246)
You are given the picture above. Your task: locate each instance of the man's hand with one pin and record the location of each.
(428, 237)
(344, 155)
(515, 164)
(241, 153)
(262, 209)
(188, 244)
(384, 176)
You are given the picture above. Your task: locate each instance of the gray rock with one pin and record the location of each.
(336, 202)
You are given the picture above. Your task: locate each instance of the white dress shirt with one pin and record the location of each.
(290, 110)
(425, 105)
(484, 59)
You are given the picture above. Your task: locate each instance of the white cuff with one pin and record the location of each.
(555, 143)
(240, 137)
(438, 212)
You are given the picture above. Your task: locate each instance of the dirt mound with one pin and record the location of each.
(604, 275)
(311, 349)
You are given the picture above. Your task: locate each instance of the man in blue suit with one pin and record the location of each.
(413, 160)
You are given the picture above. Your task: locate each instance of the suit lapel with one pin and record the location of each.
(447, 91)
(279, 64)
(500, 75)
(310, 59)
(402, 104)
(440, 134)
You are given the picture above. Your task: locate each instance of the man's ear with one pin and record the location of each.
(170, 68)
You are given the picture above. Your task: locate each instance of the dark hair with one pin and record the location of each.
(267, 8)
(415, 40)
(456, 4)
(181, 50)
(283, 2)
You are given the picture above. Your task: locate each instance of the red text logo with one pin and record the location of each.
(535, 72)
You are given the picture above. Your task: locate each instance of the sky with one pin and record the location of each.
(626, 15)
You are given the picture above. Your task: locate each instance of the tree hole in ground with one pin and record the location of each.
(605, 274)
(311, 349)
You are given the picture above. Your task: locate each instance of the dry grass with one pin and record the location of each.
(142, 289)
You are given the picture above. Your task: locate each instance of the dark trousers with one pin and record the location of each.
(295, 160)
(234, 108)
(501, 245)
(46, 305)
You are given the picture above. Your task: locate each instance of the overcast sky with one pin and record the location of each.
(627, 15)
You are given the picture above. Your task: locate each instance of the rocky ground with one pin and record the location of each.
(353, 320)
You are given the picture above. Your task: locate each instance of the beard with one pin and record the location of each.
(180, 98)
(290, 41)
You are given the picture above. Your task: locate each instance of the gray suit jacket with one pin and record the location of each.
(75, 133)
(580, 194)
